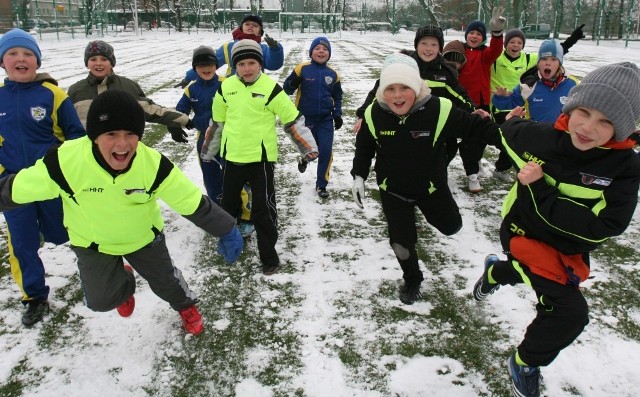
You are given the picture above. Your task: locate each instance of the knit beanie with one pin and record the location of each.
(99, 47)
(550, 48)
(511, 33)
(613, 90)
(203, 55)
(430, 31)
(19, 38)
(246, 49)
(400, 69)
(114, 110)
(478, 26)
(454, 52)
(254, 18)
(320, 40)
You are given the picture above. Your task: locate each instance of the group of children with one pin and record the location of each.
(576, 185)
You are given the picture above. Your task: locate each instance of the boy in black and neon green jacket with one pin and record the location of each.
(244, 112)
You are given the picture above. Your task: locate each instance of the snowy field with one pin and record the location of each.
(330, 323)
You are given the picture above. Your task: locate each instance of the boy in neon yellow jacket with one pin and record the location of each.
(109, 183)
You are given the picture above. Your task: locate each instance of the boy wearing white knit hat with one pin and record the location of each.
(577, 186)
(406, 130)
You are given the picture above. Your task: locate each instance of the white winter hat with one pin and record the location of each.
(400, 69)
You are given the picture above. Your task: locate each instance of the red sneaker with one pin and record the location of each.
(126, 309)
(192, 320)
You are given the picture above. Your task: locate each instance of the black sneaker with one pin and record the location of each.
(410, 294)
(268, 270)
(322, 192)
(483, 288)
(35, 312)
(525, 381)
(302, 165)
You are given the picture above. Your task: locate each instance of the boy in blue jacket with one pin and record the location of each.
(37, 116)
(198, 97)
(319, 99)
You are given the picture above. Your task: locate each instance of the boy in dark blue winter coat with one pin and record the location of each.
(198, 97)
(319, 99)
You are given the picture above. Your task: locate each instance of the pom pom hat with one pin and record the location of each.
(613, 90)
(400, 69)
(19, 38)
(114, 110)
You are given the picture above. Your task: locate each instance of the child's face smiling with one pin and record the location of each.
(206, 72)
(117, 148)
(21, 64)
(99, 66)
(399, 97)
(428, 48)
(320, 54)
(589, 128)
(248, 70)
(548, 67)
(251, 27)
(474, 39)
(514, 46)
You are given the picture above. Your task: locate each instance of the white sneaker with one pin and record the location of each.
(474, 184)
(503, 176)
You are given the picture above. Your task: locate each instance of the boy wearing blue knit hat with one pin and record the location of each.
(577, 185)
(319, 99)
(37, 117)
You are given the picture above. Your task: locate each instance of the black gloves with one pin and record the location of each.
(576, 35)
(271, 42)
(189, 125)
(337, 122)
(178, 134)
(184, 82)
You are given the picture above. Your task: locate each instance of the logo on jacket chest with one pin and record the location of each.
(38, 113)
(328, 80)
(588, 179)
(530, 157)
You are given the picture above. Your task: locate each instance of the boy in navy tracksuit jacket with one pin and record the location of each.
(36, 116)
(319, 99)
(198, 97)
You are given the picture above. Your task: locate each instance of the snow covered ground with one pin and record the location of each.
(330, 323)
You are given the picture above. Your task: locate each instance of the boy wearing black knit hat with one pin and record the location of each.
(577, 185)
(244, 134)
(109, 182)
(100, 59)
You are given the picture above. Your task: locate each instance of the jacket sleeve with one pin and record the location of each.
(472, 127)
(154, 113)
(509, 102)
(288, 86)
(371, 96)
(6, 187)
(336, 94)
(184, 104)
(365, 152)
(273, 57)
(494, 50)
(211, 218)
(69, 121)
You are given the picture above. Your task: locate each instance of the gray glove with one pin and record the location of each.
(358, 190)
(497, 22)
(271, 42)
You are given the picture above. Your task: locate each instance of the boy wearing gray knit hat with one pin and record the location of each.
(577, 186)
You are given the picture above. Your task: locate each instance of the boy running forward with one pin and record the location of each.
(36, 116)
(319, 99)
(407, 128)
(109, 183)
(244, 112)
(100, 59)
(198, 97)
(577, 187)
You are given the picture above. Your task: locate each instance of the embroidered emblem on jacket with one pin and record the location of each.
(328, 80)
(595, 180)
(257, 95)
(419, 134)
(38, 113)
(387, 132)
(135, 190)
(530, 157)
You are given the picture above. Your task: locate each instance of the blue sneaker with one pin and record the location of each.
(525, 381)
(483, 289)
(246, 228)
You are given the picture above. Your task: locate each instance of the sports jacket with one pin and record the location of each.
(320, 92)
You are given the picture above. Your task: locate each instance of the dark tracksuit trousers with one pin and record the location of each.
(25, 225)
(106, 284)
(211, 173)
(471, 152)
(562, 312)
(439, 209)
(264, 214)
(322, 130)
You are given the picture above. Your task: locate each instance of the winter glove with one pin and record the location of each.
(576, 35)
(358, 190)
(271, 42)
(230, 245)
(497, 22)
(337, 122)
(182, 84)
(178, 134)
